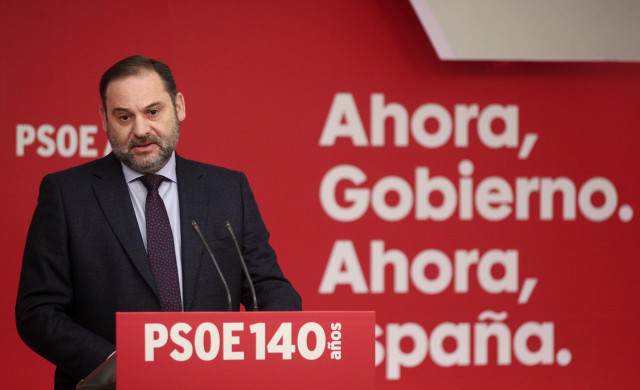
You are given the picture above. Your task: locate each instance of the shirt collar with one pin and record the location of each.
(168, 171)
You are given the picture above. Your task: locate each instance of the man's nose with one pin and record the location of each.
(141, 127)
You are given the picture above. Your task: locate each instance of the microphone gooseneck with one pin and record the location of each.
(224, 281)
(244, 267)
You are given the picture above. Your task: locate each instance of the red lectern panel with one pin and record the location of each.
(268, 350)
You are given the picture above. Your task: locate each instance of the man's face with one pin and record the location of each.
(142, 123)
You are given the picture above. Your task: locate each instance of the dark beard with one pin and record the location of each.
(167, 147)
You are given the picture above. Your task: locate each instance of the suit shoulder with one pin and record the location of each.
(212, 171)
(82, 171)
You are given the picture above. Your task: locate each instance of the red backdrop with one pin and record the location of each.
(526, 231)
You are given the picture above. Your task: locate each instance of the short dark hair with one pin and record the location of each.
(133, 65)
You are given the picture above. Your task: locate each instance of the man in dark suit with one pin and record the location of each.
(86, 252)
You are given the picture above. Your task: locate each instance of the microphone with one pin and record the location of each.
(244, 267)
(224, 281)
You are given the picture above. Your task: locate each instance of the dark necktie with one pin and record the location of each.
(160, 248)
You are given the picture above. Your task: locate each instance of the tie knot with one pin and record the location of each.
(152, 181)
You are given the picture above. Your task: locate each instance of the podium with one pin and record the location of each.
(265, 350)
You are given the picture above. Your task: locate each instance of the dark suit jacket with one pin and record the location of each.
(84, 259)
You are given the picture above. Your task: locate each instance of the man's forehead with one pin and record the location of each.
(142, 88)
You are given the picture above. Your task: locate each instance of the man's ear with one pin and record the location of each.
(103, 116)
(181, 110)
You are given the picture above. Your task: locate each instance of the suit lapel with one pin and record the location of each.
(193, 198)
(113, 196)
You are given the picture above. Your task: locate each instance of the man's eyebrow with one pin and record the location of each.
(119, 109)
(154, 104)
(123, 109)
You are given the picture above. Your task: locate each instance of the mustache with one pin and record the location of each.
(149, 138)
